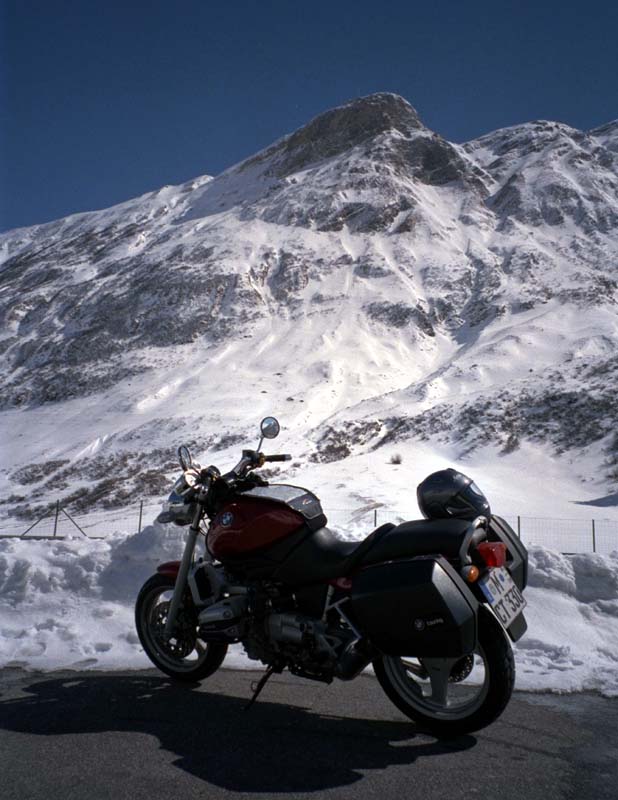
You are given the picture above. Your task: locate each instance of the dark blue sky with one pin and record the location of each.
(105, 100)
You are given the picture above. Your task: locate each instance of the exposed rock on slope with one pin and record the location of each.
(463, 293)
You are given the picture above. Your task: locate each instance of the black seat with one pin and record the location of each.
(416, 538)
(322, 556)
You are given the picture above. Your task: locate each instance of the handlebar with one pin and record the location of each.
(251, 459)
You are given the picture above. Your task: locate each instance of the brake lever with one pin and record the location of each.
(254, 477)
(210, 472)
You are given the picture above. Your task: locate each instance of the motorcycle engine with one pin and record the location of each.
(224, 621)
(307, 646)
(301, 631)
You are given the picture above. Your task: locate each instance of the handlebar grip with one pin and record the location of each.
(285, 457)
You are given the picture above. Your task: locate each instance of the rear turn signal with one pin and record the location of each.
(470, 573)
(492, 553)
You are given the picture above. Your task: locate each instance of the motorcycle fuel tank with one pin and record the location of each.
(249, 524)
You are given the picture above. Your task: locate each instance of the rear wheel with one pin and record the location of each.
(453, 696)
(184, 656)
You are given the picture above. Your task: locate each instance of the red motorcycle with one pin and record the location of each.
(431, 603)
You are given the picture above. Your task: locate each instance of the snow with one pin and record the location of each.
(572, 638)
(69, 605)
(307, 334)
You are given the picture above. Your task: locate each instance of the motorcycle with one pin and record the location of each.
(432, 604)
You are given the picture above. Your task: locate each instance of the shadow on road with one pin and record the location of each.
(273, 748)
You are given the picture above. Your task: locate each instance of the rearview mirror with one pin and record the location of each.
(184, 457)
(270, 428)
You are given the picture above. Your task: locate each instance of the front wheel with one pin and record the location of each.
(184, 656)
(453, 696)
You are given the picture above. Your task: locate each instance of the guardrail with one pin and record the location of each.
(566, 535)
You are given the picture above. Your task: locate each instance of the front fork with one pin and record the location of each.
(183, 572)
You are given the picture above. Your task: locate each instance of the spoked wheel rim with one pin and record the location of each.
(185, 651)
(441, 688)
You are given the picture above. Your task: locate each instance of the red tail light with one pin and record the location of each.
(492, 553)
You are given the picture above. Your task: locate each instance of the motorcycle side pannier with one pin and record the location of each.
(419, 607)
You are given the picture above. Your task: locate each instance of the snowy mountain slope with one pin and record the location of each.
(370, 282)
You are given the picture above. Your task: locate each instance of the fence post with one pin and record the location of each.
(375, 517)
(141, 508)
(56, 517)
(519, 526)
(594, 538)
(81, 530)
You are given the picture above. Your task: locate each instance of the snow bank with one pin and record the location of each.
(572, 639)
(70, 604)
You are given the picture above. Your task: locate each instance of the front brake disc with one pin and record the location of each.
(183, 640)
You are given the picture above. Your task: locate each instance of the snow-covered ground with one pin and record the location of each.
(69, 604)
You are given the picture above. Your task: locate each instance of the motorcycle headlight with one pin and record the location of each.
(179, 510)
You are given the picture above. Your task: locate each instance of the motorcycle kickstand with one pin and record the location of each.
(260, 685)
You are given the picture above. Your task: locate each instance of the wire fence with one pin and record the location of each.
(583, 535)
(97, 524)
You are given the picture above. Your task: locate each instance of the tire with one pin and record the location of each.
(468, 706)
(184, 657)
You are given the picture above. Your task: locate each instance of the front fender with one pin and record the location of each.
(169, 568)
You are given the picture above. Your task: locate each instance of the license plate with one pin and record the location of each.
(504, 597)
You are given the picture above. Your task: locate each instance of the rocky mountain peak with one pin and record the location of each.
(340, 129)
(359, 120)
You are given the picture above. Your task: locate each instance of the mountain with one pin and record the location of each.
(373, 284)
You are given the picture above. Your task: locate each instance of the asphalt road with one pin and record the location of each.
(87, 736)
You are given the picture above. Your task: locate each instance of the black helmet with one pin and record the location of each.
(449, 493)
